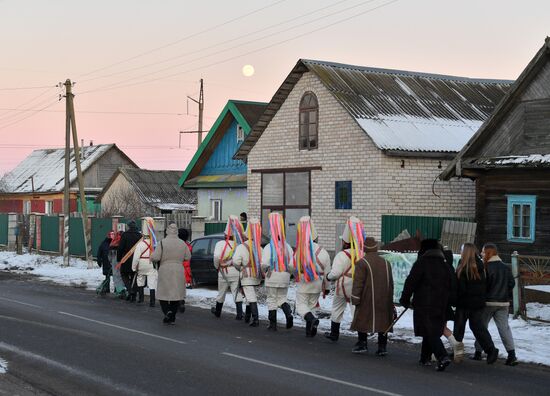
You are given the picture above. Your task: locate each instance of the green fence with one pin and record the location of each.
(49, 233)
(3, 229)
(76, 237)
(100, 228)
(430, 227)
(214, 228)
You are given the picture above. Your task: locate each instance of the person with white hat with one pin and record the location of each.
(141, 262)
(247, 259)
(228, 275)
(277, 264)
(343, 266)
(311, 263)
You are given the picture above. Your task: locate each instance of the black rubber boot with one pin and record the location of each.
(334, 331)
(476, 356)
(247, 314)
(272, 315)
(182, 306)
(311, 324)
(133, 297)
(492, 356)
(217, 310)
(152, 297)
(382, 343)
(141, 294)
(254, 313)
(361, 345)
(288, 314)
(239, 307)
(512, 360)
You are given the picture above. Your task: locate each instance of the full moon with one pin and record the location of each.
(248, 70)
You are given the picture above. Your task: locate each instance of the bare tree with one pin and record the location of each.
(124, 202)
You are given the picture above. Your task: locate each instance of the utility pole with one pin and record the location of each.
(200, 102)
(66, 198)
(83, 204)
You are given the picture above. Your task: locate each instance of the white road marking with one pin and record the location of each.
(70, 370)
(19, 302)
(329, 379)
(123, 328)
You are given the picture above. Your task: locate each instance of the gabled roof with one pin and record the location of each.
(158, 188)
(399, 110)
(246, 113)
(46, 168)
(491, 124)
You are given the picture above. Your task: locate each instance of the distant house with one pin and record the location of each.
(135, 192)
(338, 140)
(509, 159)
(220, 180)
(37, 183)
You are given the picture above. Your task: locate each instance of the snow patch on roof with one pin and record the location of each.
(517, 160)
(175, 206)
(46, 169)
(3, 366)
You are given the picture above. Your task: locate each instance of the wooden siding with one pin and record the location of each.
(221, 160)
(491, 209)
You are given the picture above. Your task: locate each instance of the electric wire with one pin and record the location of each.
(2, 127)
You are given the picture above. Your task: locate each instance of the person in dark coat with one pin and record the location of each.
(128, 240)
(372, 296)
(471, 294)
(430, 285)
(103, 261)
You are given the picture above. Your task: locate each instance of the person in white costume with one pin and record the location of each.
(228, 275)
(311, 263)
(141, 263)
(247, 259)
(277, 264)
(343, 265)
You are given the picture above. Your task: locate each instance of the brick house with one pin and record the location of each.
(337, 140)
(36, 184)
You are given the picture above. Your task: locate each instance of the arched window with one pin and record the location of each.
(309, 112)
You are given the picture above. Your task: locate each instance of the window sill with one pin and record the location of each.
(520, 240)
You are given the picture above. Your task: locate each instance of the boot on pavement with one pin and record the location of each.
(512, 360)
(217, 310)
(288, 314)
(254, 313)
(152, 297)
(182, 306)
(272, 315)
(247, 313)
(334, 331)
(239, 307)
(492, 356)
(141, 294)
(311, 324)
(476, 356)
(442, 364)
(382, 344)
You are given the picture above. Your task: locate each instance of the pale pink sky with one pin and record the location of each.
(44, 42)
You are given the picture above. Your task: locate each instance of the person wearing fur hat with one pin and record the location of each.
(430, 286)
(247, 259)
(277, 264)
(141, 263)
(311, 263)
(228, 275)
(343, 267)
(372, 296)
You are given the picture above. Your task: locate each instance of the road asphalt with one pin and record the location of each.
(68, 341)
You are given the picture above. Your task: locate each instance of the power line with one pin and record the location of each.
(185, 38)
(47, 90)
(2, 127)
(112, 87)
(26, 88)
(309, 13)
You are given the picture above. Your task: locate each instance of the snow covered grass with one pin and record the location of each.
(3, 366)
(530, 336)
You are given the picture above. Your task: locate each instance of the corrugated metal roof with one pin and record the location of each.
(47, 169)
(159, 188)
(399, 110)
(411, 111)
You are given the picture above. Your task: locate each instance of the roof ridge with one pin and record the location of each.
(406, 72)
(253, 102)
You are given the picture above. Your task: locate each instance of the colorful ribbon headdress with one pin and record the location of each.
(233, 230)
(306, 258)
(279, 257)
(148, 229)
(355, 235)
(254, 235)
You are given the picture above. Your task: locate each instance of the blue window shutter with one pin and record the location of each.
(342, 195)
(525, 203)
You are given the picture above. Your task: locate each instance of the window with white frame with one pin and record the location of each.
(521, 218)
(240, 133)
(216, 205)
(26, 207)
(48, 208)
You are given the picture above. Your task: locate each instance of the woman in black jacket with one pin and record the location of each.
(104, 262)
(472, 290)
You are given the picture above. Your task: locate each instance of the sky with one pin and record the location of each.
(134, 62)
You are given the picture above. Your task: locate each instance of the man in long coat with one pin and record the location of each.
(430, 281)
(128, 241)
(372, 295)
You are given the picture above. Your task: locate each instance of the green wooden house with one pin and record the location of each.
(219, 179)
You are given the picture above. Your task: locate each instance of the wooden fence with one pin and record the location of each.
(530, 271)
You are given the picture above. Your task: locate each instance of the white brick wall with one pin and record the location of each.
(380, 186)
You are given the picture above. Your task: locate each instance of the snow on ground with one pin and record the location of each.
(527, 334)
(3, 366)
(542, 288)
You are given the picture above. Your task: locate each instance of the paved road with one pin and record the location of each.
(66, 341)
